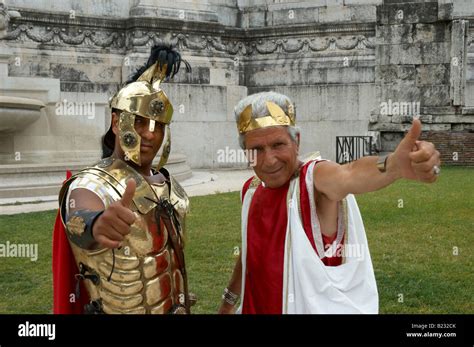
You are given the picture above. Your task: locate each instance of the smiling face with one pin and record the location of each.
(276, 155)
(150, 140)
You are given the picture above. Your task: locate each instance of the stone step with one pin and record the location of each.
(29, 192)
(35, 180)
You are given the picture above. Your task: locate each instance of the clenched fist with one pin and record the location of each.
(111, 227)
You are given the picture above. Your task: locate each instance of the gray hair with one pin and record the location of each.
(259, 110)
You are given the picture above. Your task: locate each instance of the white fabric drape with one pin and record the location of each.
(311, 287)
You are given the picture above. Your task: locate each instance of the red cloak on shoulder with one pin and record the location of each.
(64, 271)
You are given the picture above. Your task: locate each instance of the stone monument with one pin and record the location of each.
(352, 67)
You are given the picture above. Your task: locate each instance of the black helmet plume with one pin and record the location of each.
(164, 55)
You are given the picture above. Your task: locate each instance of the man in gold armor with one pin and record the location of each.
(124, 219)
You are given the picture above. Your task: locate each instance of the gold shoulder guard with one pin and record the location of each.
(179, 198)
(115, 173)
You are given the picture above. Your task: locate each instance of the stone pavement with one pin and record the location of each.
(201, 183)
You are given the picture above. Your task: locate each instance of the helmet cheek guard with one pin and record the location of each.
(129, 138)
(166, 148)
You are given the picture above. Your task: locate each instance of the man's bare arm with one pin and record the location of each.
(412, 159)
(361, 176)
(234, 286)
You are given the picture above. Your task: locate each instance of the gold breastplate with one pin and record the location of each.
(145, 274)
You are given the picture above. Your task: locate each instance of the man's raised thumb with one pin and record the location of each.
(414, 132)
(129, 193)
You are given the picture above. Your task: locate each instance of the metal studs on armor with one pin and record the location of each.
(106, 162)
(157, 107)
(129, 139)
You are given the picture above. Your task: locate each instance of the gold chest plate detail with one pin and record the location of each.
(146, 277)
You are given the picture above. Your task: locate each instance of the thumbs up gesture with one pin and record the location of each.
(114, 224)
(414, 159)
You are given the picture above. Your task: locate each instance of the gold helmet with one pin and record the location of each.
(143, 96)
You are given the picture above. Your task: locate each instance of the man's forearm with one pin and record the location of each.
(335, 181)
(234, 287)
(364, 176)
(412, 159)
(236, 279)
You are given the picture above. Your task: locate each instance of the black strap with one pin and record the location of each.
(113, 265)
(167, 213)
(94, 307)
(83, 275)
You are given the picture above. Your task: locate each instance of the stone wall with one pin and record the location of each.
(456, 148)
(422, 50)
(339, 60)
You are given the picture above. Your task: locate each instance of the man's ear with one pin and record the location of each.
(115, 123)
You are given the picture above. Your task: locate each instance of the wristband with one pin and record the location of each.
(229, 297)
(79, 228)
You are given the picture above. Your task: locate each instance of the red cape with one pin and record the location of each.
(64, 269)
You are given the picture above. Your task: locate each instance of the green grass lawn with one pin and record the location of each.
(422, 251)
